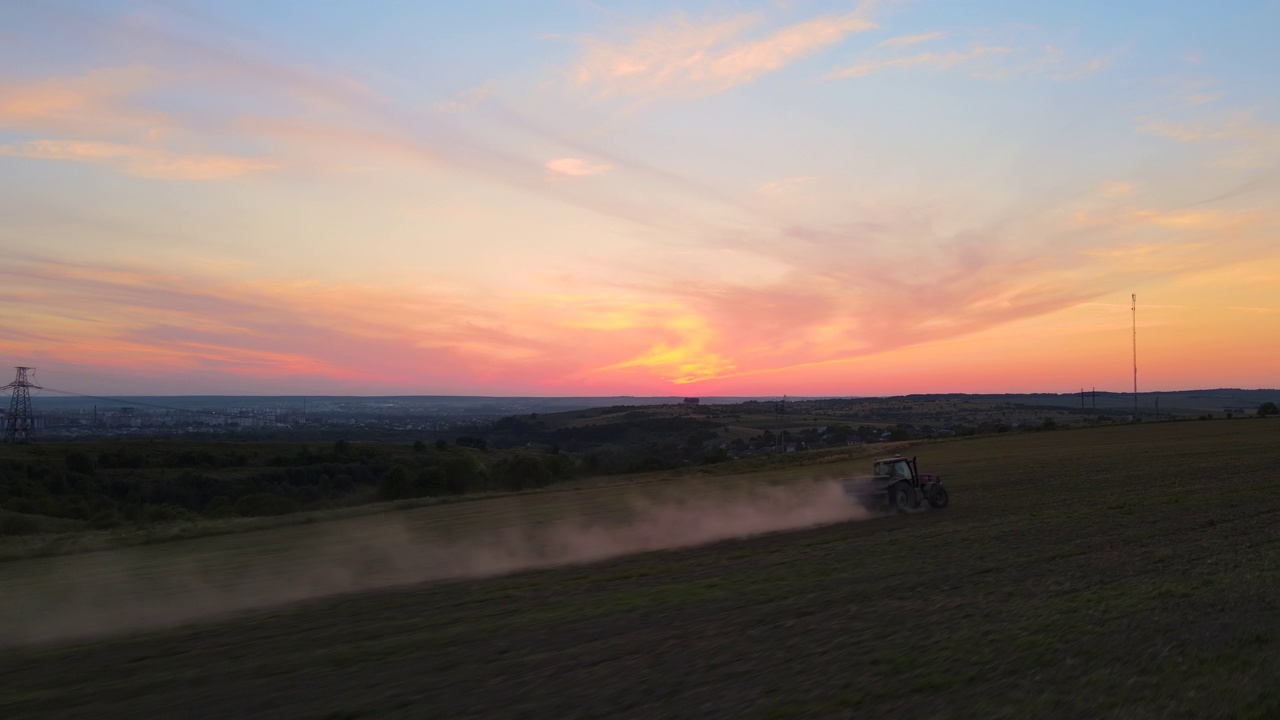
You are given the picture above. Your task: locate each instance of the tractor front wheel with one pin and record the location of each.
(900, 497)
(938, 498)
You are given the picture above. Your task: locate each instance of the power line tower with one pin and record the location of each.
(1135, 356)
(20, 423)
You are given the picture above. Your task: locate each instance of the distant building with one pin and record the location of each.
(691, 401)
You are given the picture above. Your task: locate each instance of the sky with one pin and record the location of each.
(579, 197)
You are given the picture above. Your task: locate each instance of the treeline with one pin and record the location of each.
(147, 482)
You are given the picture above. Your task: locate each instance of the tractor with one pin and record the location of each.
(895, 484)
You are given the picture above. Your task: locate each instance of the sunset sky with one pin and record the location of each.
(587, 197)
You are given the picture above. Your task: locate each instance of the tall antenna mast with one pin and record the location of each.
(1135, 356)
(19, 424)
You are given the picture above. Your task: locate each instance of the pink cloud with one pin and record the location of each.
(684, 58)
(140, 161)
(577, 167)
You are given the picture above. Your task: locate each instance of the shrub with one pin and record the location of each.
(19, 525)
(525, 471)
(260, 504)
(431, 482)
(80, 462)
(395, 484)
(163, 512)
(106, 519)
(463, 473)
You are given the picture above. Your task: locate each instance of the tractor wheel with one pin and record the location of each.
(901, 496)
(938, 498)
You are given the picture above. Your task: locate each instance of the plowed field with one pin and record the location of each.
(1126, 572)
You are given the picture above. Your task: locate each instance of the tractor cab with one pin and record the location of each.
(895, 468)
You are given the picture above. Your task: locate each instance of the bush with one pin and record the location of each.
(164, 512)
(525, 471)
(80, 462)
(431, 482)
(106, 519)
(473, 442)
(395, 485)
(463, 473)
(260, 504)
(19, 525)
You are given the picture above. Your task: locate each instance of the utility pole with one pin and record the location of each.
(1135, 356)
(21, 423)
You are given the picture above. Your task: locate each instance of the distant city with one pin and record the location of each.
(85, 416)
(82, 416)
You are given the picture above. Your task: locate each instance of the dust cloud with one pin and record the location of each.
(150, 587)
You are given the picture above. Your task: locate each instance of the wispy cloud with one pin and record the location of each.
(101, 102)
(577, 167)
(905, 40)
(683, 57)
(785, 188)
(1201, 98)
(140, 161)
(1245, 141)
(1182, 132)
(926, 60)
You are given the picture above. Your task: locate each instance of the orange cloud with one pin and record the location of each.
(841, 311)
(785, 188)
(97, 102)
(140, 161)
(684, 58)
(577, 167)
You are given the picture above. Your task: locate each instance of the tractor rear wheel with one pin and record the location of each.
(938, 498)
(901, 497)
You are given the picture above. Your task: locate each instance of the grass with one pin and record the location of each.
(64, 537)
(1112, 572)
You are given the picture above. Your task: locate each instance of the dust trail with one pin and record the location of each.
(162, 586)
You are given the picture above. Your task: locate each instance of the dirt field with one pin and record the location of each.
(1128, 571)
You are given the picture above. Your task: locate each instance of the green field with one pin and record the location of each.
(1127, 571)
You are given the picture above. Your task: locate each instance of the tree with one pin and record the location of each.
(395, 484)
(463, 473)
(79, 461)
(431, 482)
(260, 504)
(1268, 408)
(525, 471)
(473, 442)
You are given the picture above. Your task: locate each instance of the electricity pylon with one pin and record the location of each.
(20, 423)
